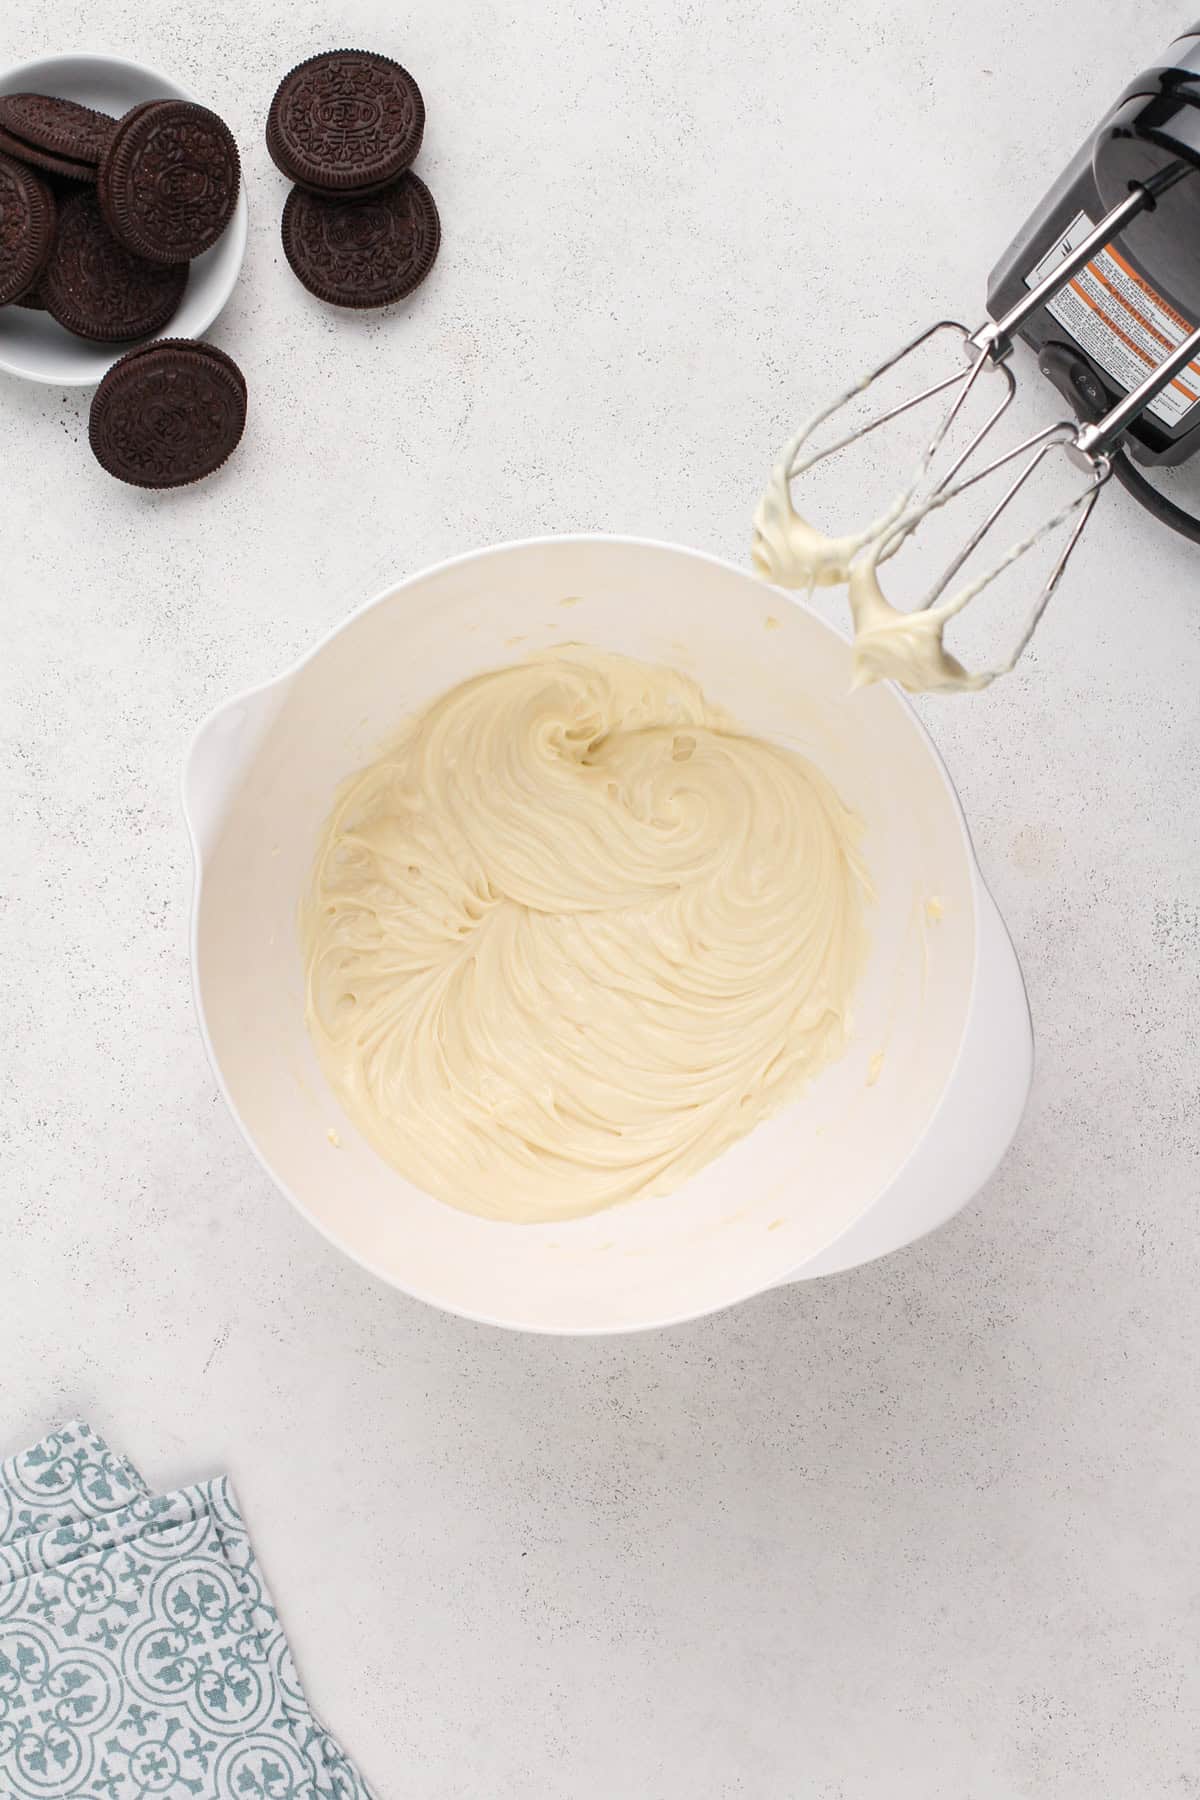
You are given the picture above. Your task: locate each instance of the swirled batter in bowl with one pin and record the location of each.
(574, 933)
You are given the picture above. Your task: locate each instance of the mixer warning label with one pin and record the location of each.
(1120, 320)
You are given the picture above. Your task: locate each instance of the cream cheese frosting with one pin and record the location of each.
(890, 644)
(792, 553)
(905, 645)
(574, 933)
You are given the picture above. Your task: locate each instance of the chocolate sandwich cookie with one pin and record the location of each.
(366, 251)
(27, 225)
(135, 112)
(61, 127)
(47, 160)
(96, 288)
(168, 414)
(345, 122)
(169, 180)
(102, 170)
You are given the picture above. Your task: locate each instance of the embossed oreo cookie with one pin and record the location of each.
(62, 127)
(27, 223)
(46, 160)
(366, 251)
(345, 122)
(169, 180)
(168, 414)
(96, 288)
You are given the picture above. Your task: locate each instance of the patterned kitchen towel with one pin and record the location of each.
(71, 1473)
(140, 1654)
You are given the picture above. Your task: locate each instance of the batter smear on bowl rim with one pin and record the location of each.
(574, 933)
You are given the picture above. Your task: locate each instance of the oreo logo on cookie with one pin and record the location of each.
(345, 122)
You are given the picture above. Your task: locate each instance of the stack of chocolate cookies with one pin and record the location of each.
(359, 228)
(100, 217)
(99, 220)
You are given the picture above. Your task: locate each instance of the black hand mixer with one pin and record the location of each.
(1103, 281)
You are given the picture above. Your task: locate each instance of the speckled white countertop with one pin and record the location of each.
(922, 1532)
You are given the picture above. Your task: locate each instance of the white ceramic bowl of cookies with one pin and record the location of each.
(885, 1144)
(32, 344)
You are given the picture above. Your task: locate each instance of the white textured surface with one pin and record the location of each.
(922, 1532)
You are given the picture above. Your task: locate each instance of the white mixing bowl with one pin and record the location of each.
(883, 1146)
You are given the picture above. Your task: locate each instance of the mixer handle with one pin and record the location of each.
(996, 337)
(1096, 439)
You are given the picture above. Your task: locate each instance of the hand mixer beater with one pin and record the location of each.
(1107, 325)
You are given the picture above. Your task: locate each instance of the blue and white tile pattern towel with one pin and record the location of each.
(140, 1654)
